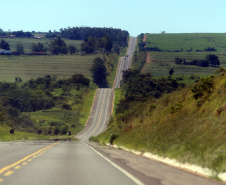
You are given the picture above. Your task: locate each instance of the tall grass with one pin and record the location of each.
(175, 127)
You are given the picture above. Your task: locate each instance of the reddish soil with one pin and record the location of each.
(148, 59)
(144, 39)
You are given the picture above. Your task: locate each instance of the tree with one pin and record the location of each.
(4, 45)
(171, 71)
(106, 43)
(80, 79)
(72, 49)
(39, 47)
(116, 48)
(213, 60)
(99, 72)
(58, 46)
(20, 48)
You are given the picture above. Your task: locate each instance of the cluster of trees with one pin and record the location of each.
(97, 39)
(22, 34)
(211, 59)
(99, 72)
(140, 87)
(57, 46)
(81, 33)
(34, 95)
(92, 44)
(4, 45)
(2, 33)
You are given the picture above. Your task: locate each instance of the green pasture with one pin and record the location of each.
(6, 136)
(186, 41)
(162, 62)
(27, 43)
(27, 67)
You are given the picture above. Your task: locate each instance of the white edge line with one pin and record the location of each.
(134, 179)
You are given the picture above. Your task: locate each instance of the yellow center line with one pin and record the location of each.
(100, 113)
(4, 169)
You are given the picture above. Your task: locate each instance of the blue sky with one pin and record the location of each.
(135, 16)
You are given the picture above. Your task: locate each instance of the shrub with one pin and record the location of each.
(176, 108)
(113, 137)
(11, 131)
(93, 139)
(203, 89)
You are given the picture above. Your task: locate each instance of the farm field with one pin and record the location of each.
(161, 62)
(27, 43)
(27, 67)
(186, 41)
(185, 44)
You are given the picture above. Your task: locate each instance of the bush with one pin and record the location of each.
(11, 131)
(113, 137)
(176, 108)
(93, 139)
(203, 89)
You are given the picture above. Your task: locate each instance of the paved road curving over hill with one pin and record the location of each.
(103, 102)
(84, 163)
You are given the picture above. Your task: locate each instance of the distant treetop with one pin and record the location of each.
(81, 33)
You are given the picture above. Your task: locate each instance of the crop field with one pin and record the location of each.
(185, 44)
(27, 67)
(161, 62)
(186, 41)
(27, 43)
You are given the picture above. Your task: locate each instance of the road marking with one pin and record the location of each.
(17, 167)
(100, 113)
(24, 163)
(29, 160)
(105, 115)
(6, 168)
(1, 180)
(8, 173)
(134, 179)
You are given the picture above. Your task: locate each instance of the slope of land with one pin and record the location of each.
(188, 125)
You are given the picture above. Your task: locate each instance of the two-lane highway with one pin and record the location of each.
(58, 163)
(100, 114)
(124, 63)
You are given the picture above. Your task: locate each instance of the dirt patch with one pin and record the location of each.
(144, 39)
(148, 59)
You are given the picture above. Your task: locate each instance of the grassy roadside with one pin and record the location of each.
(118, 97)
(175, 126)
(6, 136)
(86, 106)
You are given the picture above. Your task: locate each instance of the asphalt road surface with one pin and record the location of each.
(100, 114)
(124, 63)
(75, 163)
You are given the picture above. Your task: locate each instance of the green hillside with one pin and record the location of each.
(187, 41)
(162, 50)
(188, 124)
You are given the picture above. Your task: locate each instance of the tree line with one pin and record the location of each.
(211, 59)
(81, 33)
(139, 88)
